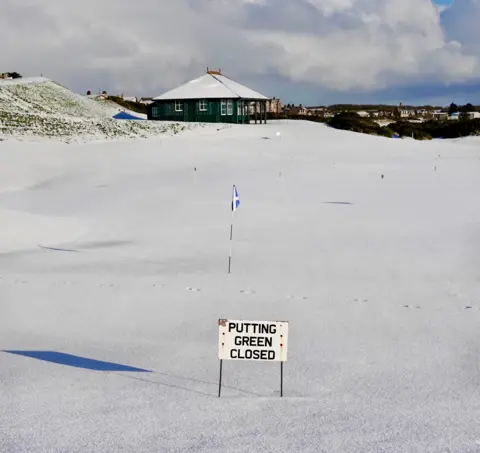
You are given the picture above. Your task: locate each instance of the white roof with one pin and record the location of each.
(212, 86)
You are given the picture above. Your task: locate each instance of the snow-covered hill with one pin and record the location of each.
(40, 107)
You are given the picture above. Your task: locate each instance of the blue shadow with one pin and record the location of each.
(78, 362)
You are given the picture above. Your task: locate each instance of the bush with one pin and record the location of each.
(133, 106)
(414, 130)
(453, 129)
(385, 131)
(286, 116)
(351, 121)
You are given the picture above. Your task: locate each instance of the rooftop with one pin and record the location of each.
(212, 85)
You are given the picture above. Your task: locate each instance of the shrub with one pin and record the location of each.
(385, 131)
(133, 106)
(452, 129)
(351, 121)
(408, 129)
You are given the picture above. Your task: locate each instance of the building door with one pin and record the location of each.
(190, 111)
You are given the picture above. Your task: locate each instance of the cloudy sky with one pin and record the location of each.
(304, 51)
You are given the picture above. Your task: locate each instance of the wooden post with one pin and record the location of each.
(265, 112)
(256, 112)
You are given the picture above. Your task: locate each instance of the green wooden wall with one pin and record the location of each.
(165, 111)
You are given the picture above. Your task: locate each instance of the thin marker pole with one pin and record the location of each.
(231, 231)
(231, 246)
(220, 379)
(281, 379)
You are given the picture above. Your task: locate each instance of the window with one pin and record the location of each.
(229, 107)
(202, 105)
(239, 108)
(223, 108)
(178, 106)
(155, 112)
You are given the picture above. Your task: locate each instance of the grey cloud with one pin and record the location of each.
(148, 46)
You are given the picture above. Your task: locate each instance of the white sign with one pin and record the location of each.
(252, 340)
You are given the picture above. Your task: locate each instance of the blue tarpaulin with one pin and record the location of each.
(126, 116)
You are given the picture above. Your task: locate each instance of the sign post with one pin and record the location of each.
(262, 341)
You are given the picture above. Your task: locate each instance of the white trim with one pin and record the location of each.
(223, 104)
(178, 106)
(229, 107)
(202, 105)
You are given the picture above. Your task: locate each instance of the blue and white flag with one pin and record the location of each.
(235, 199)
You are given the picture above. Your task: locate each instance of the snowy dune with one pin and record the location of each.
(117, 252)
(37, 107)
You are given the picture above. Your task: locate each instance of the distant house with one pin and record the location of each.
(146, 101)
(212, 98)
(439, 115)
(98, 97)
(472, 115)
(129, 98)
(296, 110)
(316, 111)
(274, 105)
(363, 114)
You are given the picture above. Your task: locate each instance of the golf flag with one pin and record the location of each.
(235, 205)
(235, 199)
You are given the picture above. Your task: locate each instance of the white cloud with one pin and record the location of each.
(150, 45)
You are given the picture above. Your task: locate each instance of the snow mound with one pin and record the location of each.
(41, 107)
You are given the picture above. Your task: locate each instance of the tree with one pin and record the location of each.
(467, 108)
(452, 109)
(14, 75)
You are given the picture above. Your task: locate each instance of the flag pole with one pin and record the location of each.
(231, 244)
(233, 207)
(231, 233)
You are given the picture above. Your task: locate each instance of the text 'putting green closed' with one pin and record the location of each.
(252, 340)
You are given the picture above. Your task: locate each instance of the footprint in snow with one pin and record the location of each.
(193, 289)
(411, 306)
(290, 297)
(247, 291)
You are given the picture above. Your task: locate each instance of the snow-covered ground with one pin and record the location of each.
(117, 251)
(37, 107)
